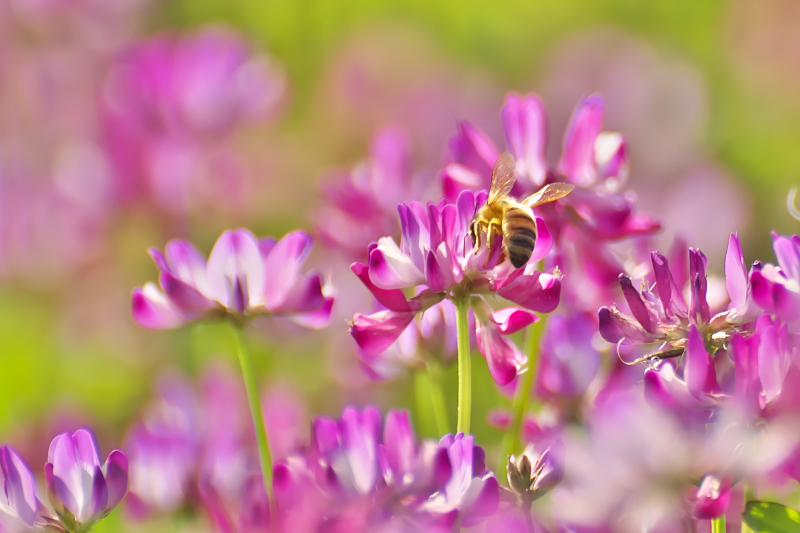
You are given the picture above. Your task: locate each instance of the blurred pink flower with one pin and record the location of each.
(170, 106)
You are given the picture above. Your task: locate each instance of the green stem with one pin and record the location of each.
(255, 409)
(437, 398)
(511, 440)
(749, 495)
(464, 368)
(718, 525)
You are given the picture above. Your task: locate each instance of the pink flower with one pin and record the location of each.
(243, 278)
(776, 288)
(713, 498)
(435, 255)
(81, 489)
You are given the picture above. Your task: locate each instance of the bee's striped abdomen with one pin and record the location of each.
(519, 235)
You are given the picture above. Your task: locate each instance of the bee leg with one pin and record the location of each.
(475, 230)
(490, 233)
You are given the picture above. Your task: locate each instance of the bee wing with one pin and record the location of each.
(548, 193)
(503, 177)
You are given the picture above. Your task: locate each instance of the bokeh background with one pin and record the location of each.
(706, 93)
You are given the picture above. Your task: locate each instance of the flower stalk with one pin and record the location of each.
(718, 525)
(519, 406)
(264, 455)
(464, 368)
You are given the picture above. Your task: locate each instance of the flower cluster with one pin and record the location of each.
(436, 257)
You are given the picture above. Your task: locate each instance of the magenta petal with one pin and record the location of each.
(762, 290)
(376, 332)
(187, 264)
(551, 466)
(116, 469)
(484, 505)
(544, 241)
(324, 435)
(390, 269)
(474, 149)
(713, 498)
(183, 296)
(611, 155)
(736, 278)
(304, 297)
(457, 178)
(392, 299)
(699, 373)
(538, 292)
(525, 127)
(317, 319)
(438, 277)
(512, 319)
(578, 157)
(282, 267)
(67, 482)
(236, 271)
(502, 356)
(773, 356)
(442, 470)
(399, 442)
(99, 494)
(152, 310)
(254, 516)
(671, 298)
(20, 485)
(635, 302)
(699, 312)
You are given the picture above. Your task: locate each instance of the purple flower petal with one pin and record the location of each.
(699, 373)
(671, 297)
(536, 291)
(544, 241)
(525, 128)
(66, 474)
(472, 148)
(376, 332)
(551, 466)
(578, 156)
(282, 267)
(774, 356)
(20, 486)
(512, 319)
(116, 470)
(152, 310)
(390, 269)
(502, 356)
(399, 443)
(392, 299)
(254, 516)
(699, 312)
(611, 156)
(183, 296)
(484, 503)
(188, 264)
(456, 179)
(99, 495)
(615, 326)
(360, 436)
(324, 435)
(236, 272)
(638, 308)
(437, 274)
(713, 498)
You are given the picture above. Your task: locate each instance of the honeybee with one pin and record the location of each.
(512, 220)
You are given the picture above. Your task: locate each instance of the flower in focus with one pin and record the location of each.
(435, 257)
(244, 277)
(660, 312)
(531, 475)
(20, 509)
(81, 489)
